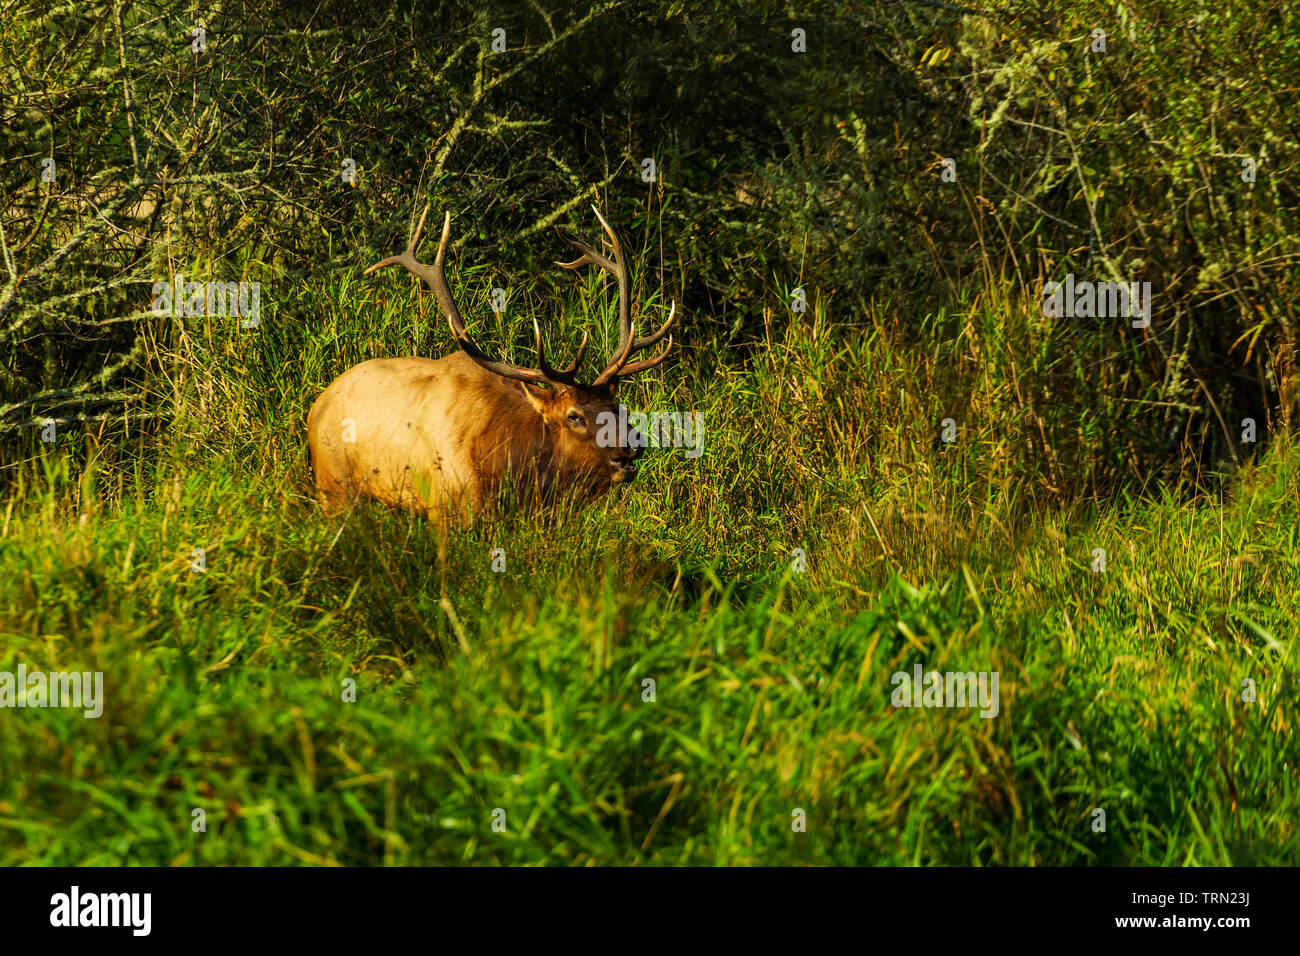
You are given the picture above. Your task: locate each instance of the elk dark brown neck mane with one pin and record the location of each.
(444, 436)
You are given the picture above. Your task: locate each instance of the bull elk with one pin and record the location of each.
(443, 436)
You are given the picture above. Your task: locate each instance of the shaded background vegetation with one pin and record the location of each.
(776, 170)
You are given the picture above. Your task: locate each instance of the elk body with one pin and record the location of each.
(443, 436)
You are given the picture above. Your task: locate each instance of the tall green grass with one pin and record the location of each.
(522, 695)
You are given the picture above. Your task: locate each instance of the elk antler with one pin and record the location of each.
(434, 278)
(628, 343)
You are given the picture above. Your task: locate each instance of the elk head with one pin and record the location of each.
(585, 426)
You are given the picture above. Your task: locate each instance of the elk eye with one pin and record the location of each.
(576, 419)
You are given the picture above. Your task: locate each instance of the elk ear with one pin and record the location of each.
(536, 397)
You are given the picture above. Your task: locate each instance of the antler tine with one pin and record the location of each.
(646, 341)
(564, 376)
(625, 283)
(617, 268)
(611, 374)
(624, 274)
(572, 367)
(432, 276)
(618, 367)
(407, 256)
(437, 281)
(646, 363)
